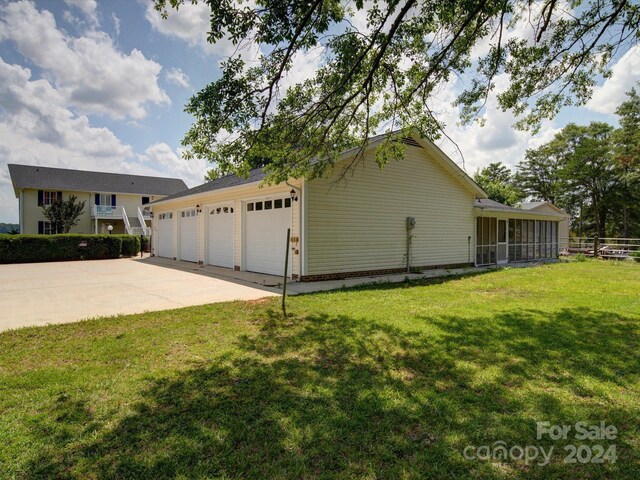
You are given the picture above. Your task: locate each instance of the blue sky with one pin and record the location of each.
(101, 85)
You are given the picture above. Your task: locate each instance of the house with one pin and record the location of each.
(112, 199)
(421, 212)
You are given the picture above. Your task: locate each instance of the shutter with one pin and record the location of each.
(59, 195)
(40, 227)
(40, 198)
(113, 200)
(97, 199)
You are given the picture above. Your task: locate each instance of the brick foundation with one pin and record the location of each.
(372, 273)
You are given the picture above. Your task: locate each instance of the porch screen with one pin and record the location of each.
(532, 240)
(486, 243)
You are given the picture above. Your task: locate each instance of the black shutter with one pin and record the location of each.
(59, 195)
(40, 227)
(40, 198)
(113, 200)
(97, 199)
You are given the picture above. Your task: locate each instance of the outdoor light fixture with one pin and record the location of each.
(198, 209)
(293, 194)
(110, 228)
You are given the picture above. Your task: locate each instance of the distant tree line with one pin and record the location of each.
(591, 171)
(12, 228)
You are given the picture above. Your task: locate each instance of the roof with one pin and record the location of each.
(488, 204)
(531, 205)
(535, 205)
(255, 175)
(34, 176)
(258, 174)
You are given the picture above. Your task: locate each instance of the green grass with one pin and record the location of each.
(387, 381)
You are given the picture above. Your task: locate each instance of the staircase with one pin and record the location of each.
(135, 225)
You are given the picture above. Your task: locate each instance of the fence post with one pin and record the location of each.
(596, 246)
(286, 268)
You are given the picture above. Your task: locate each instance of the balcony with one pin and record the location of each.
(107, 212)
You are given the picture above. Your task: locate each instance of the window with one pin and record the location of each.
(287, 202)
(49, 197)
(268, 204)
(277, 203)
(532, 239)
(47, 228)
(258, 206)
(106, 199)
(145, 200)
(250, 207)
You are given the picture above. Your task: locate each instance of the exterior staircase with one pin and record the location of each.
(135, 225)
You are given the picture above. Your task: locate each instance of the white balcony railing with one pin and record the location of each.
(104, 211)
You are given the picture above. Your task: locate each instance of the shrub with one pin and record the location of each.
(145, 245)
(635, 256)
(580, 257)
(52, 248)
(130, 245)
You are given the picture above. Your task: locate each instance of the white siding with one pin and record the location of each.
(235, 196)
(359, 224)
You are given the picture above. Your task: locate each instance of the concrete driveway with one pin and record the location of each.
(60, 292)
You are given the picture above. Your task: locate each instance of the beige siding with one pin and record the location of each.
(32, 212)
(360, 225)
(236, 197)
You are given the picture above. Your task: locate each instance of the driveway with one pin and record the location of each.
(60, 292)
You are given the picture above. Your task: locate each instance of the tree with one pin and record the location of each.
(626, 141)
(64, 214)
(539, 174)
(497, 180)
(384, 76)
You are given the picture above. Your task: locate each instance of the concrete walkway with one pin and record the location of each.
(60, 292)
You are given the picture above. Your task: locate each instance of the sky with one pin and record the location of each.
(101, 85)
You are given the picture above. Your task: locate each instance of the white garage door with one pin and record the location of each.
(164, 238)
(220, 240)
(189, 235)
(266, 234)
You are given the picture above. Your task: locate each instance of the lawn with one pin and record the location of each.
(387, 381)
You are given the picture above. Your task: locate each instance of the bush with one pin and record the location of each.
(52, 248)
(130, 245)
(635, 256)
(580, 257)
(145, 245)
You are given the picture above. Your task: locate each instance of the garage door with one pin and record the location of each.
(220, 236)
(189, 235)
(266, 233)
(164, 238)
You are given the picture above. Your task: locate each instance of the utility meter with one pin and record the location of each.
(411, 223)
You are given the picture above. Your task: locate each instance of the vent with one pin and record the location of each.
(410, 141)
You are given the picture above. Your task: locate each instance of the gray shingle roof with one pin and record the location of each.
(254, 176)
(531, 205)
(33, 176)
(487, 203)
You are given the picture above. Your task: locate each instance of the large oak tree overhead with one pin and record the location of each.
(384, 77)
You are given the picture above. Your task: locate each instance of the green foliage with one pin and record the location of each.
(51, 248)
(635, 256)
(131, 245)
(580, 257)
(498, 181)
(64, 214)
(386, 381)
(386, 76)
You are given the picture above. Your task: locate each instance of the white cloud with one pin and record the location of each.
(177, 77)
(96, 77)
(191, 24)
(116, 23)
(161, 156)
(625, 74)
(88, 7)
(36, 127)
